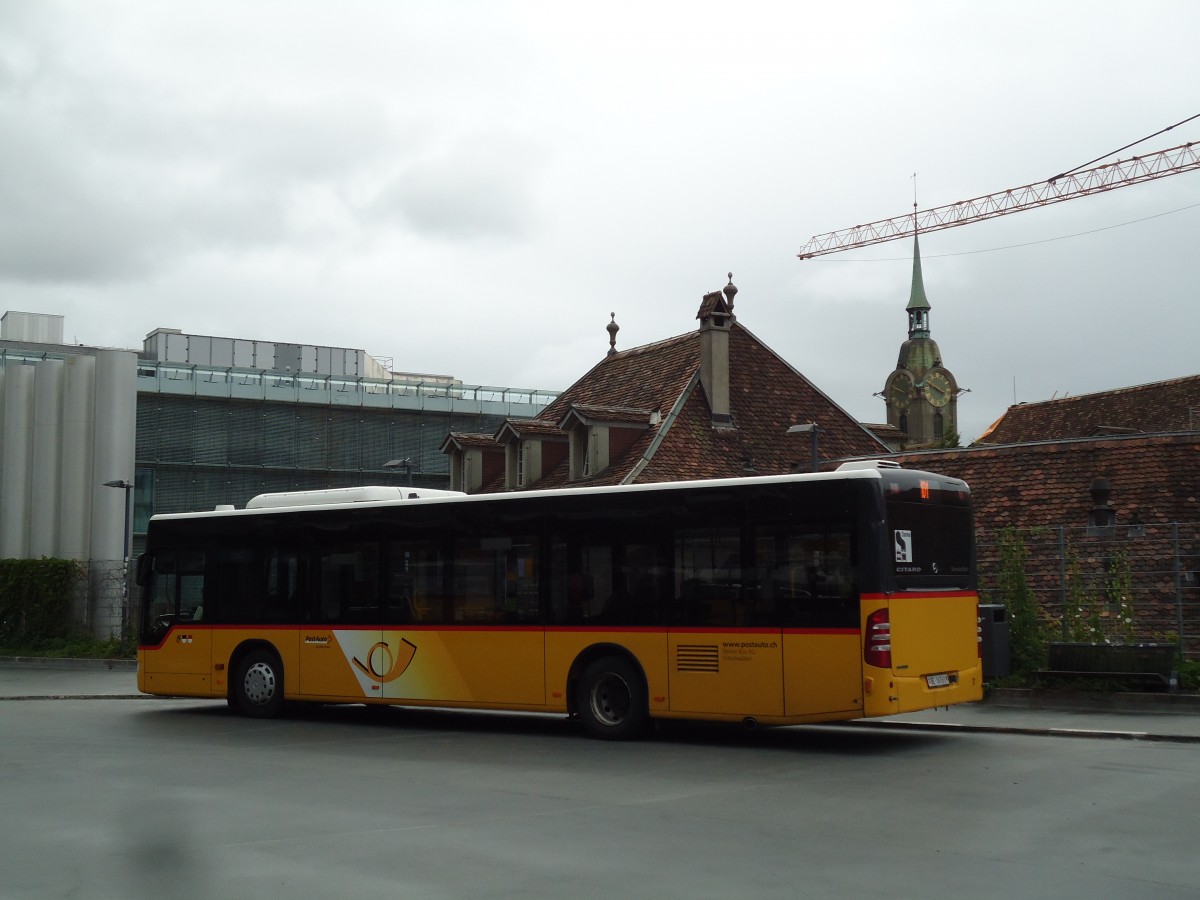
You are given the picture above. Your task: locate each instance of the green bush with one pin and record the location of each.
(1026, 624)
(1189, 676)
(74, 648)
(35, 600)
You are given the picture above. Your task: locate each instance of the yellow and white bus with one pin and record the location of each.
(771, 600)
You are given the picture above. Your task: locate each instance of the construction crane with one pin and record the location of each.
(1067, 186)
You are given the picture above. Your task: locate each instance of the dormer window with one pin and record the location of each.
(531, 449)
(600, 436)
(580, 452)
(588, 447)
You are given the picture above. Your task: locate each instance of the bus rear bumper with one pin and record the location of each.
(887, 694)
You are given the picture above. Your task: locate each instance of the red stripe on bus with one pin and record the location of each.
(919, 593)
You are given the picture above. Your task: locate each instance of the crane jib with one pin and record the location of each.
(1098, 179)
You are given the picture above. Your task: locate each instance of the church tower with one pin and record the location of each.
(921, 395)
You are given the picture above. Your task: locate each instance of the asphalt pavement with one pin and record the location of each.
(1125, 716)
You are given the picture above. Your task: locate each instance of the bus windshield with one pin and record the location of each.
(929, 524)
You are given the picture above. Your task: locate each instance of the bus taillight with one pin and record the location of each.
(878, 649)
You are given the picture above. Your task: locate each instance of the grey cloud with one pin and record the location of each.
(483, 189)
(112, 186)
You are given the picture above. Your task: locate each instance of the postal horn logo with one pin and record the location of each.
(383, 664)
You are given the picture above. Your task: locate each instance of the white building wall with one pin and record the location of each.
(38, 327)
(17, 463)
(45, 483)
(115, 418)
(2, 406)
(75, 499)
(67, 426)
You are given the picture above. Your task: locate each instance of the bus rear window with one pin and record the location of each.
(932, 537)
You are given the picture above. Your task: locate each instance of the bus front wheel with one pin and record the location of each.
(257, 689)
(612, 699)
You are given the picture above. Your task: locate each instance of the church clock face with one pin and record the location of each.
(899, 389)
(937, 388)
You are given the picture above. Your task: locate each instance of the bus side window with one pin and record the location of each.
(399, 607)
(175, 589)
(571, 587)
(708, 568)
(495, 577)
(347, 584)
(282, 586)
(414, 587)
(231, 591)
(805, 576)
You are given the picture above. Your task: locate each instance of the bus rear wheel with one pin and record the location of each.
(612, 699)
(257, 688)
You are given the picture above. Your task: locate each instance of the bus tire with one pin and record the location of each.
(257, 689)
(612, 699)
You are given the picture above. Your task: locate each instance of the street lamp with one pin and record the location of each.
(812, 429)
(406, 464)
(127, 487)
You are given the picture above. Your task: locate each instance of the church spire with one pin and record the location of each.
(921, 394)
(918, 304)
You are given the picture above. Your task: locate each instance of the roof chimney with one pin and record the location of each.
(715, 317)
(730, 291)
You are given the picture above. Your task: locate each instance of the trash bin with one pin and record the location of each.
(993, 641)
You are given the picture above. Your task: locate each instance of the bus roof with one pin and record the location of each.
(375, 495)
(332, 496)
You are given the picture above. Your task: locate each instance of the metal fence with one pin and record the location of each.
(1114, 584)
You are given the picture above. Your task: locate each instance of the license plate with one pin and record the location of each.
(942, 680)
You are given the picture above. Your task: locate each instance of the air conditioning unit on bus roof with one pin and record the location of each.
(331, 496)
(868, 464)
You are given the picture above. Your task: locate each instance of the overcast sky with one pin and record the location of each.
(470, 189)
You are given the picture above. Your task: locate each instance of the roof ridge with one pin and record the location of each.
(1091, 438)
(612, 406)
(645, 348)
(1127, 389)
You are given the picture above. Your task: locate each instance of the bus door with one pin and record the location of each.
(176, 654)
(809, 585)
(725, 649)
(415, 604)
(340, 644)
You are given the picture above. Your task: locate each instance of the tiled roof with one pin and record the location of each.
(529, 427)
(1165, 406)
(612, 413)
(766, 395)
(884, 431)
(1155, 478)
(650, 377)
(464, 439)
(713, 304)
